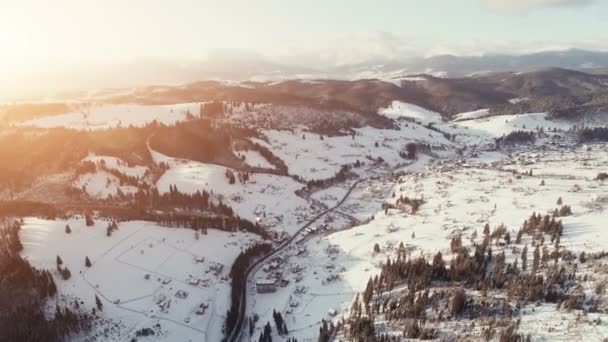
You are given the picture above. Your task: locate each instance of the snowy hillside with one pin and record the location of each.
(267, 198)
(102, 184)
(140, 273)
(313, 157)
(348, 199)
(458, 200)
(111, 116)
(400, 109)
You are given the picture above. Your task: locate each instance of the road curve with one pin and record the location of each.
(236, 332)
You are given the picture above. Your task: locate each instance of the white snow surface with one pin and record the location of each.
(267, 198)
(399, 109)
(459, 199)
(496, 126)
(110, 116)
(118, 164)
(471, 115)
(313, 158)
(120, 264)
(255, 159)
(102, 184)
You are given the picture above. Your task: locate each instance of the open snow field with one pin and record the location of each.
(459, 200)
(137, 273)
(399, 109)
(102, 184)
(118, 164)
(269, 199)
(310, 157)
(255, 159)
(111, 116)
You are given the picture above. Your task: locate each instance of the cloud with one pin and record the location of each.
(523, 6)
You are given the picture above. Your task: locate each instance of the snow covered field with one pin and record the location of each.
(269, 199)
(137, 272)
(459, 199)
(255, 159)
(310, 157)
(141, 270)
(102, 184)
(111, 116)
(400, 109)
(118, 164)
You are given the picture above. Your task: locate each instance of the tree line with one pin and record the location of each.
(25, 291)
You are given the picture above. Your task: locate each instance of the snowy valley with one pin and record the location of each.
(410, 226)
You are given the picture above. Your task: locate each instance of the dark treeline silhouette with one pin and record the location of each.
(266, 334)
(201, 140)
(239, 282)
(28, 156)
(326, 331)
(342, 175)
(515, 138)
(413, 149)
(212, 109)
(593, 134)
(23, 295)
(28, 208)
(279, 323)
(221, 219)
(124, 179)
(278, 163)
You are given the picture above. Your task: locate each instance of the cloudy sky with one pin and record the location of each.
(39, 34)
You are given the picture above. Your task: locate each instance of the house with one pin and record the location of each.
(181, 294)
(193, 281)
(265, 286)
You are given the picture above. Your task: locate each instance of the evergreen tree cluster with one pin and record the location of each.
(326, 331)
(23, 297)
(279, 323)
(342, 175)
(593, 134)
(112, 226)
(266, 334)
(479, 270)
(516, 138)
(279, 165)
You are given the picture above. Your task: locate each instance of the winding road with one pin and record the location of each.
(235, 336)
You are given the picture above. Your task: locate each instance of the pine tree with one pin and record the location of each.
(98, 303)
(68, 230)
(458, 303)
(59, 261)
(536, 260)
(524, 258)
(65, 273)
(87, 262)
(376, 248)
(89, 220)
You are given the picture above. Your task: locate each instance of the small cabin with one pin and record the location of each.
(265, 286)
